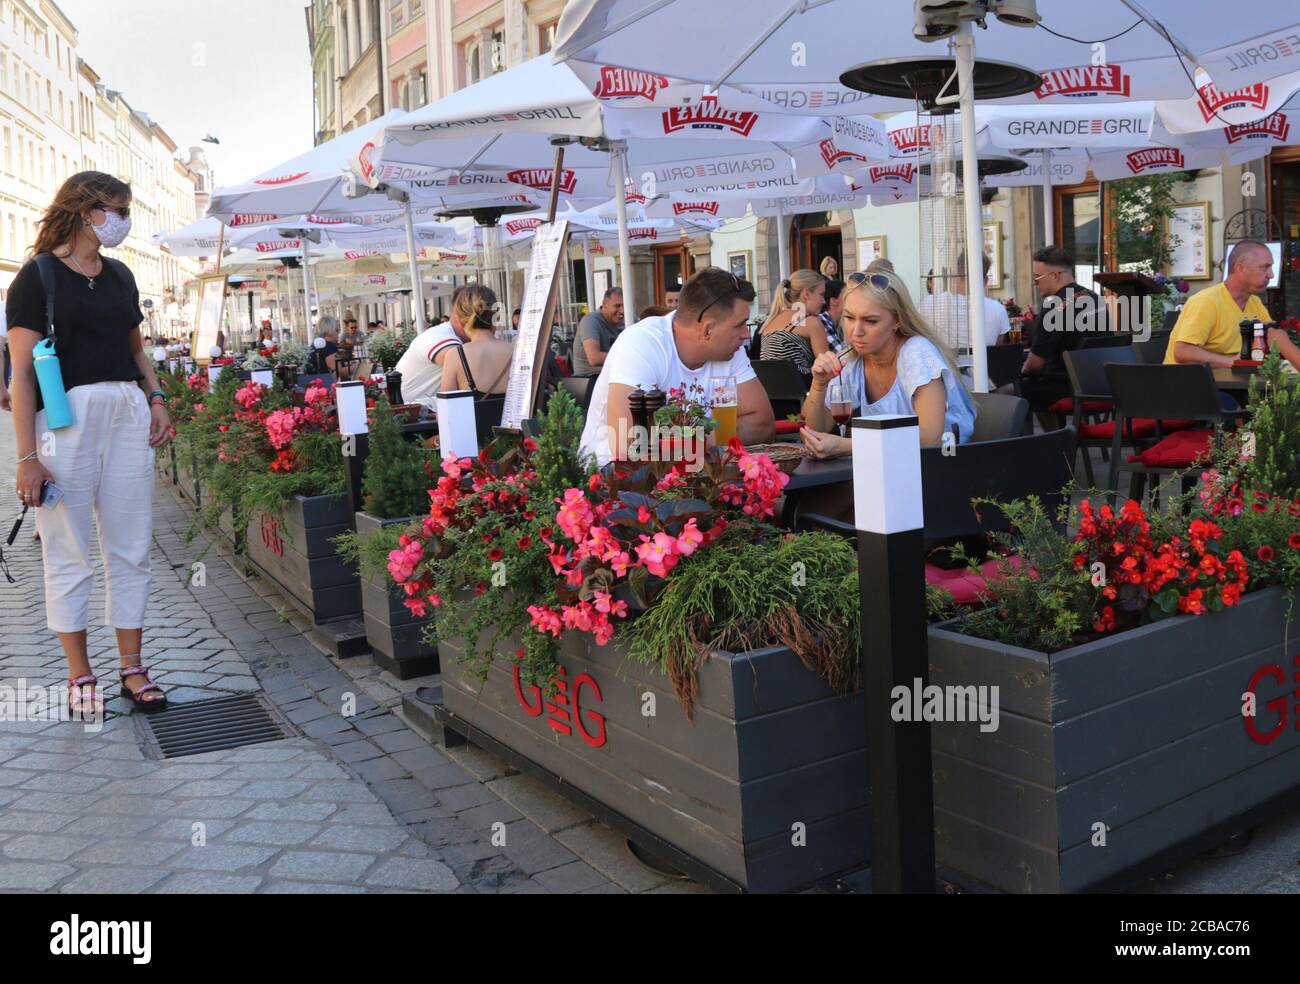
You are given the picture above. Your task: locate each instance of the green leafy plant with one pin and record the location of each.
(1274, 401)
(398, 472)
(1140, 208)
(794, 589)
(1039, 600)
(559, 461)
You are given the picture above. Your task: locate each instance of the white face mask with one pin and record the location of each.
(114, 229)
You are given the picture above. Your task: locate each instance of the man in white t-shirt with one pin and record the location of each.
(703, 339)
(422, 363)
(947, 313)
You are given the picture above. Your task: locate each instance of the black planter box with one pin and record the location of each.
(1141, 732)
(295, 553)
(394, 634)
(765, 791)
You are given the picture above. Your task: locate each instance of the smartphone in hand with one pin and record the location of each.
(50, 495)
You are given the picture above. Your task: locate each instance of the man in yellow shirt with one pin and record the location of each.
(1208, 330)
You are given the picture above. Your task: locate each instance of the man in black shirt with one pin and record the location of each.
(1069, 312)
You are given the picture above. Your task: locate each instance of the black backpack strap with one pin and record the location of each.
(469, 376)
(45, 267)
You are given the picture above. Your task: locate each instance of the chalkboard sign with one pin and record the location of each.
(536, 314)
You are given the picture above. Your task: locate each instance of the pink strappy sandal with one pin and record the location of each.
(137, 697)
(82, 706)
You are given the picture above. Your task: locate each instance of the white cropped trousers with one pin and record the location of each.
(104, 465)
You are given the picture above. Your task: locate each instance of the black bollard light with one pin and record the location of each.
(891, 586)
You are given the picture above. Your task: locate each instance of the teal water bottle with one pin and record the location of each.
(58, 413)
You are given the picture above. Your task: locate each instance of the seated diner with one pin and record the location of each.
(895, 364)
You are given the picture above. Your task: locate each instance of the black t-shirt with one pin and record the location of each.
(316, 361)
(91, 326)
(1066, 317)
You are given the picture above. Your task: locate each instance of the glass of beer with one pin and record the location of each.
(724, 408)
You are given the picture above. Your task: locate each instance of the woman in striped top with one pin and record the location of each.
(793, 332)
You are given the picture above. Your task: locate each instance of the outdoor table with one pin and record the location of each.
(819, 486)
(429, 426)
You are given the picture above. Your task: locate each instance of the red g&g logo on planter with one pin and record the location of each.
(565, 708)
(1265, 722)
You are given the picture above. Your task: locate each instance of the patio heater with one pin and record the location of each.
(489, 221)
(891, 552)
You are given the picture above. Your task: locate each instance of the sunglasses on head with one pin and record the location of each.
(742, 288)
(877, 280)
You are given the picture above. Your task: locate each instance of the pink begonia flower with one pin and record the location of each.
(280, 428)
(316, 393)
(605, 604)
(658, 554)
(249, 395)
(417, 607)
(545, 620)
(690, 538)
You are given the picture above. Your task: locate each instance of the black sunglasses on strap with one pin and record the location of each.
(9, 542)
(743, 287)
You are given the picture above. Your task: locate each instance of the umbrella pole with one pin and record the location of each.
(970, 177)
(624, 250)
(417, 289)
(783, 245)
(306, 281)
(1049, 219)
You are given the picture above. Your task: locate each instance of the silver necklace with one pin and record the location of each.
(89, 279)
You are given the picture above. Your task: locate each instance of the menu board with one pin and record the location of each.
(211, 311)
(536, 313)
(1188, 232)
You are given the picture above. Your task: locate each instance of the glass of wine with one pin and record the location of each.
(841, 409)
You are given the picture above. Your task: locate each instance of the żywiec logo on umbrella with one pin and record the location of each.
(363, 158)
(910, 141)
(1211, 99)
(624, 83)
(643, 233)
(282, 179)
(540, 177)
(272, 245)
(891, 172)
(1151, 158)
(1084, 82)
(708, 115)
(359, 254)
(252, 218)
(377, 278)
(517, 226)
(832, 155)
(1276, 127)
(695, 208)
(325, 220)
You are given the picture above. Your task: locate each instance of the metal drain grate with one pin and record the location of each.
(213, 725)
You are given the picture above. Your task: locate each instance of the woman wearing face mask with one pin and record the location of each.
(103, 462)
(895, 365)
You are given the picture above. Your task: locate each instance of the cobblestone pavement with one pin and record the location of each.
(356, 803)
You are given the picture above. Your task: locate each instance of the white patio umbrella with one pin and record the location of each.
(789, 50)
(503, 127)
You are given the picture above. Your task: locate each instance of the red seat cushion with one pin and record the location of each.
(965, 587)
(784, 426)
(1138, 427)
(1066, 405)
(1178, 450)
(563, 363)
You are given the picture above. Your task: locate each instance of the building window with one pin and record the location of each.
(395, 14)
(416, 8)
(546, 36)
